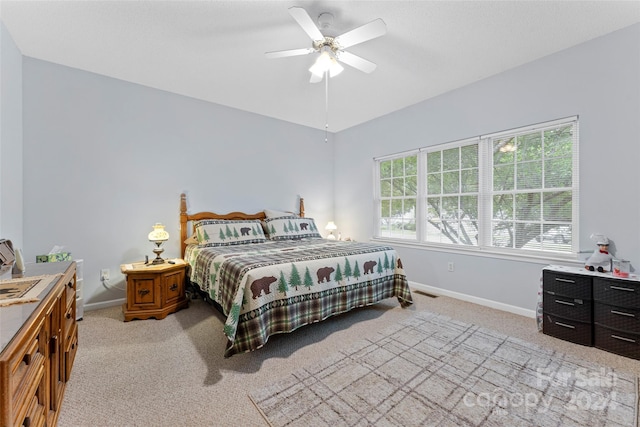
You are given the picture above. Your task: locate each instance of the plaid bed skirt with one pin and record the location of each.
(286, 315)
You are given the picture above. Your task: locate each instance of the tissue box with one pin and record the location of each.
(61, 256)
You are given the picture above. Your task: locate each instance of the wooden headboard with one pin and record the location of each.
(186, 229)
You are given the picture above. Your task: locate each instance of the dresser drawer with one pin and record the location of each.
(70, 351)
(26, 386)
(569, 330)
(25, 365)
(570, 308)
(621, 318)
(70, 291)
(566, 285)
(70, 319)
(35, 415)
(621, 293)
(622, 343)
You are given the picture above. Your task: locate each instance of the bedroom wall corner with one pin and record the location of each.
(11, 169)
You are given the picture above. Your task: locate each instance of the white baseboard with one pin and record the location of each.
(476, 300)
(104, 304)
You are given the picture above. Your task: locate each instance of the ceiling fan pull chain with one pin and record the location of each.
(326, 106)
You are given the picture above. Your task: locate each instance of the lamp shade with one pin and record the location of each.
(331, 226)
(326, 62)
(335, 68)
(159, 234)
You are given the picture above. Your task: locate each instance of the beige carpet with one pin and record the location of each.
(431, 370)
(172, 372)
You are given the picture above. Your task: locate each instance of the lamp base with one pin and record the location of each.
(158, 259)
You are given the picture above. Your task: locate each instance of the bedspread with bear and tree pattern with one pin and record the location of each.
(278, 286)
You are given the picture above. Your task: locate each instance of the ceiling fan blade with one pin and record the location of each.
(305, 21)
(373, 29)
(356, 62)
(292, 52)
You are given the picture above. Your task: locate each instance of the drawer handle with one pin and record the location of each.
(53, 345)
(68, 315)
(558, 279)
(70, 284)
(27, 359)
(173, 287)
(618, 288)
(565, 303)
(143, 292)
(623, 339)
(622, 313)
(565, 325)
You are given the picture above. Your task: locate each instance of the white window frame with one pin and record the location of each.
(377, 198)
(423, 168)
(485, 194)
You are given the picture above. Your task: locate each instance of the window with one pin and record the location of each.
(398, 192)
(509, 191)
(452, 191)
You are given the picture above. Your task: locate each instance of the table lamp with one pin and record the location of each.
(157, 236)
(331, 226)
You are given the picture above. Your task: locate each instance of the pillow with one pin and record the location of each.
(291, 228)
(270, 213)
(221, 232)
(191, 240)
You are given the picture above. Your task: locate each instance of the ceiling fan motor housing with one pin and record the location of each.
(325, 20)
(327, 41)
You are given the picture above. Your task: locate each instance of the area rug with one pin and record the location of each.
(23, 290)
(431, 370)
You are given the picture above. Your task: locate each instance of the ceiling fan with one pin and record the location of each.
(331, 49)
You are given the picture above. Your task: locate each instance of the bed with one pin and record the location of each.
(271, 272)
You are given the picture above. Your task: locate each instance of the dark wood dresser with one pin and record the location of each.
(39, 341)
(592, 309)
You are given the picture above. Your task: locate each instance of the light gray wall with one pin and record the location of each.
(598, 80)
(105, 159)
(10, 139)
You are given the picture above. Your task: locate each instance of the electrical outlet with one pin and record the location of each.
(450, 266)
(104, 274)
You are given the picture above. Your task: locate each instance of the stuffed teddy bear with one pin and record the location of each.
(601, 258)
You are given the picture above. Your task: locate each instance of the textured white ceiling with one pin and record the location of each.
(214, 50)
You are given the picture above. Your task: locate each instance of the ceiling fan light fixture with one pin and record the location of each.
(326, 62)
(335, 68)
(321, 64)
